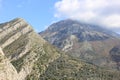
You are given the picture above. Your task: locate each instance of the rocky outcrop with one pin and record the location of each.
(115, 55)
(7, 70)
(22, 48)
(18, 28)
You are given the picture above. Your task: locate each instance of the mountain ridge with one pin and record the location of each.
(70, 21)
(23, 48)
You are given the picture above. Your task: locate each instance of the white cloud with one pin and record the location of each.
(112, 20)
(104, 12)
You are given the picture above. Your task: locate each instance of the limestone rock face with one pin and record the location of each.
(23, 50)
(7, 70)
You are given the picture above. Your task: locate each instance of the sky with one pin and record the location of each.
(41, 13)
(38, 13)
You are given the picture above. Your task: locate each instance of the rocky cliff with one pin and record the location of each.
(7, 70)
(24, 48)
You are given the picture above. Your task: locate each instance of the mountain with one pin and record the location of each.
(24, 55)
(88, 42)
(25, 49)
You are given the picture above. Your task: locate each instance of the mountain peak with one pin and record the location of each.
(24, 49)
(18, 19)
(82, 31)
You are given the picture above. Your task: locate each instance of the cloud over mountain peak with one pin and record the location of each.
(104, 12)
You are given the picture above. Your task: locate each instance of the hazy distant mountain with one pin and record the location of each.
(24, 55)
(85, 41)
